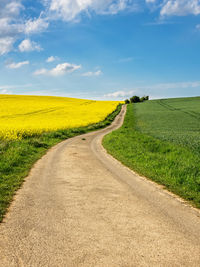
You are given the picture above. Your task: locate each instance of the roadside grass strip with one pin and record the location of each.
(164, 159)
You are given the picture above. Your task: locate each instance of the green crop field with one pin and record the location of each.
(161, 140)
(176, 120)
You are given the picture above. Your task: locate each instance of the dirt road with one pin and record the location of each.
(80, 207)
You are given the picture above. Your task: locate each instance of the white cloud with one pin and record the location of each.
(69, 9)
(27, 45)
(90, 73)
(35, 26)
(9, 25)
(17, 65)
(51, 59)
(180, 7)
(13, 25)
(9, 29)
(59, 70)
(175, 7)
(6, 45)
(5, 91)
(120, 94)
(41, 72)
(10, 8)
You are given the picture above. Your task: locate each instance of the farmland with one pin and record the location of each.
(160, 139)
(29, 125)
(23, 116)
(175, 120)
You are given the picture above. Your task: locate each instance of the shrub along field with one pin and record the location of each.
(161, 140)
(47, 121)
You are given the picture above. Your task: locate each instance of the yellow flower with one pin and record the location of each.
(22, 116)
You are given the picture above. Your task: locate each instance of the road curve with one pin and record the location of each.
(81, 207)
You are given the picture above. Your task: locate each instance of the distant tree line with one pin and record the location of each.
(136, 99)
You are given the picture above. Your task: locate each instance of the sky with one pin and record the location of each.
(100, 49)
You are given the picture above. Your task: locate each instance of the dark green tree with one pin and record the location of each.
(144, 98)
(127, 101)
(135, 99)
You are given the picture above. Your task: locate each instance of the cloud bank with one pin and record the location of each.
(69, 10)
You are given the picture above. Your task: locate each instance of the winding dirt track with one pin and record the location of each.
(80, 207)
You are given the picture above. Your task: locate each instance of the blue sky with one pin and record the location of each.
(100, 49)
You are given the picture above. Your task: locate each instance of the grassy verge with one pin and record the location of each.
(17, 157)
(172, 165)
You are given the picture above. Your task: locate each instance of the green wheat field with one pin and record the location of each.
(160, 139)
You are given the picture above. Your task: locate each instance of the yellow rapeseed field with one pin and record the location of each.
(22, 116)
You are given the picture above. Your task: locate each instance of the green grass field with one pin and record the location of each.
(175, 120)
(17, 157)
(160, 139)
